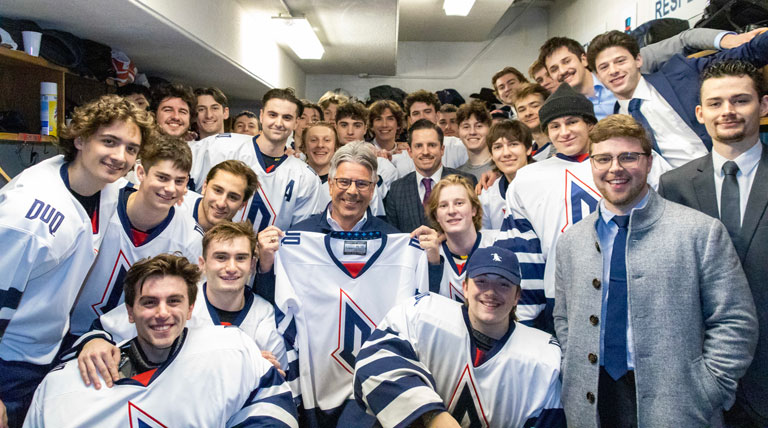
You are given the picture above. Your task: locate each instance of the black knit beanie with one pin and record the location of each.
(566, 102)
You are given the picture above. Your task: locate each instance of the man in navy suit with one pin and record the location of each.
(731, 184)
(404, 203)
(663, 100)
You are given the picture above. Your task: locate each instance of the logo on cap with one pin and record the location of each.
(496, 257)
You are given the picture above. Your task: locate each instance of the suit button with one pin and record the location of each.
(594, 320)
(596, 283)
(591, 398)
(592, 358)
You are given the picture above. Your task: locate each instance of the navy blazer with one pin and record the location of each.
(402, 204)
(678, 80)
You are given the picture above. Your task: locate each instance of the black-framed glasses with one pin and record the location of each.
(601, 162)
(344, 183)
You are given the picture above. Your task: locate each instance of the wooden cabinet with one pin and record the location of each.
(20, 77)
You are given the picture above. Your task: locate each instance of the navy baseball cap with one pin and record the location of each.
(494, 260)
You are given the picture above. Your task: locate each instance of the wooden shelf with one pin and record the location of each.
(35, 138)
(21, 56)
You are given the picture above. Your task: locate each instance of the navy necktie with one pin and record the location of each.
(615, 339)
(634, 111)
(730, 201)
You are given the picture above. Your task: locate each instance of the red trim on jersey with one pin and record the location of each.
(479, 357)
(581, 158)
(138, 237)
(460, 267)
(95, 221)
(143, 378)
(225, 323)
(354, 268)
(270, 169)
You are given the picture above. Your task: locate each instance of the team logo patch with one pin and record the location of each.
(580, 199)
(354, 328)
(140, 419)
(465, 405)
(456, 292)
(113, 292)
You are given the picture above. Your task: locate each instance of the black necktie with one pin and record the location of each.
(615, 339)
(634, 111)
(730, 201)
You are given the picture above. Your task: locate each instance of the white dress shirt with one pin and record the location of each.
(676, 141)
(435, 178)
(747, 163)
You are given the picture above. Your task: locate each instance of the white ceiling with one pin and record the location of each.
(359, 36)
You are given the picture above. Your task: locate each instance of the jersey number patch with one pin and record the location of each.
(354, 328)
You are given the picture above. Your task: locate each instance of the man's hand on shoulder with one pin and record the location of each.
(99, 357)
(486, 181)
(272, 360)
(730, 41)
(3, 416)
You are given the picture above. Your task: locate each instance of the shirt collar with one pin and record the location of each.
(435, 177)
(607, 215)
(746, 161)
(337, 227)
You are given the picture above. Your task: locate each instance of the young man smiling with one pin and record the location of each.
(146, 223)
(474, 123)
(664, 101)
(530, 98)
(505, 84)
(173, 105)
(227, 188)
(422, 104)
(167, 359)
(287, 191)
(211, 111)
(52, 220)
(427, 386)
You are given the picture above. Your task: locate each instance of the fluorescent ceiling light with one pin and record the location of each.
(300, 37)
(458, 7)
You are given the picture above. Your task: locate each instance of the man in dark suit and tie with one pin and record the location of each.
(404, 203)
(731, 183)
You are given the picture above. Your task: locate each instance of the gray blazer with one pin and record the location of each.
(693, 185)
(692, 316)
(402, 204)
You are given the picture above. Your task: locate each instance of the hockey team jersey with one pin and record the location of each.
(256, 320)
(287, 192)
(453, 272)
(102, 290)
(494, 203)
(421, 357)
(49, 243)
(331, 291)
(216, 378)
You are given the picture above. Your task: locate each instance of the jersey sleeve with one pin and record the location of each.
(549, 413)
(485, 202)
(390, 381)
(307, 197)
(517, 235)
(285, 306)
(270, 403)
(35, 415)
(267, 337)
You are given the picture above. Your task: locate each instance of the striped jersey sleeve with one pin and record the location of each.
(390, 381)
(269, 405)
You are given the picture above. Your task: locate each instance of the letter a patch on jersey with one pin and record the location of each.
(465, 405)
(354, 328)
(580, 199)
(457, 293)
(141, 419)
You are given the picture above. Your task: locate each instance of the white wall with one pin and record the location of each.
(242, 36)
(584, 19)
(439, 65)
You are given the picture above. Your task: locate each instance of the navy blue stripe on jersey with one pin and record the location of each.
(549, 418)
(522, 225)
(532, 297)
(392, 344)
(503, 185)
(240, 316)
(261, 421)
(269, 406)
(381, 396)
(10, 298)
(122, 214)
(348, 235)
(532, 270)
(521, 245)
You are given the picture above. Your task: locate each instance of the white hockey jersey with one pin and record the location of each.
(494, 203)
(286, 194)
(49, 243)
(453, 273)
(217, 378)
(330, 293)
(454, 156)
(102, 290)
(256, 320)
(421, 358)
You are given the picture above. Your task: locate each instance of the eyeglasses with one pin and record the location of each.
(626, 160)
(344, 183)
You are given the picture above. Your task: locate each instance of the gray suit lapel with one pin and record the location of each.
(704, 186)
(756, 204)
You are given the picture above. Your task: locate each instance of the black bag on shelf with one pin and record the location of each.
(658, 30)
(97, 60)
(14, 27)
(62, 48)
(734, 15)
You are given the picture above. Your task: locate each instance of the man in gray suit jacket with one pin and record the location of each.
(404, 203)
(731, 108)
(652, 307)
